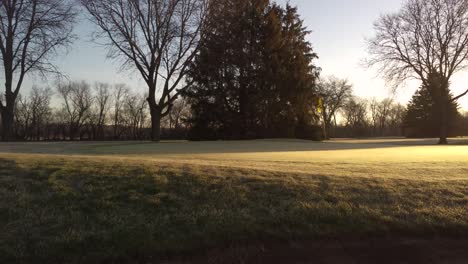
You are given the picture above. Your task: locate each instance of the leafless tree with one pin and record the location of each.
(179, 112)
(334, 93)
(396, 116)
(355, 115)
(158, 38)
(120, 91)
(374, 114)
(464, 123)
(380, 113)
(40, 99)
(77, 101)
(100, 109)
(60, 121)
(135, 115)
(23, 117)
(386, 116)
(32, 32)
(33, 113)
(426, 40)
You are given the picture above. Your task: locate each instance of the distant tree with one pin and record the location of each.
(334, 93)
(374, 114)
(120, 92)
(158, 38)
(355, 116)
(427, 40)
(100, 109)
(40, 100)
(32, 32)
(423, 115)
(395, 119)
(386, 117)
(464, 124)
(60, 121)
(33, 114)
(135, 115)
(23, 118)
(77, 100)
(383, 111)
(179, 114)
(380, 111)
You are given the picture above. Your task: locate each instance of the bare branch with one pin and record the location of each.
(423, 38)
(157, 37)
(459, 96)
(32, 32)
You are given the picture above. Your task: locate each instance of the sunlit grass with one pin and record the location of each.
(85, 202)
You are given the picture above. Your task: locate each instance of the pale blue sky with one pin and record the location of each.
(339, 29)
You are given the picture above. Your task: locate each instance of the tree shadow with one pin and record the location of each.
(95, 212)
(184, 147)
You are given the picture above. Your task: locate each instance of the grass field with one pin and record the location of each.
(139, 201)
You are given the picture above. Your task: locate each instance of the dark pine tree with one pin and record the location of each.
(254, 75)
(423, 116)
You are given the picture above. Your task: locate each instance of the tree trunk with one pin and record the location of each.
(328, 128)
(325, 125)
(7, 114)
(155, 125)
(72, 132)
(444, 121)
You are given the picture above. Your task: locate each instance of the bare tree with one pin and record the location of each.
(40, 99)
(374, 115)
(158, 38)
(426, 40)
(396, 116)
(179, 112)
(135, 115)
(58, 129)
(355, 115)
(334, 93)
(23, 117)
(464, 123)
(383, 109)
(120, 92)
(32, 32)
(77, 102)
(100, 109)
(386, 116)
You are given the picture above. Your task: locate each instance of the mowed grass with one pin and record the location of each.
(128, 201)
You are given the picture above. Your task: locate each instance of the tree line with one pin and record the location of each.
(235, 69)
(80, 111)
(346, 115)
(100, 111)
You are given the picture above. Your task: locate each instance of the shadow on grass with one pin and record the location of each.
(59, 211)
(183, 147)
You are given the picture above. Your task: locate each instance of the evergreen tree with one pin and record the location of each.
(423, 115)
(254, 75)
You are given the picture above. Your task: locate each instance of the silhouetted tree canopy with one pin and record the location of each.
(157, 38)
(32, 32)
(426, 40)
(422, 118)
(255, 74)
(334, 93)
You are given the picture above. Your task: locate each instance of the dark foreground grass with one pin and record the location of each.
(59, 209)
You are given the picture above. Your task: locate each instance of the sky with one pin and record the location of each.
(339, 29)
